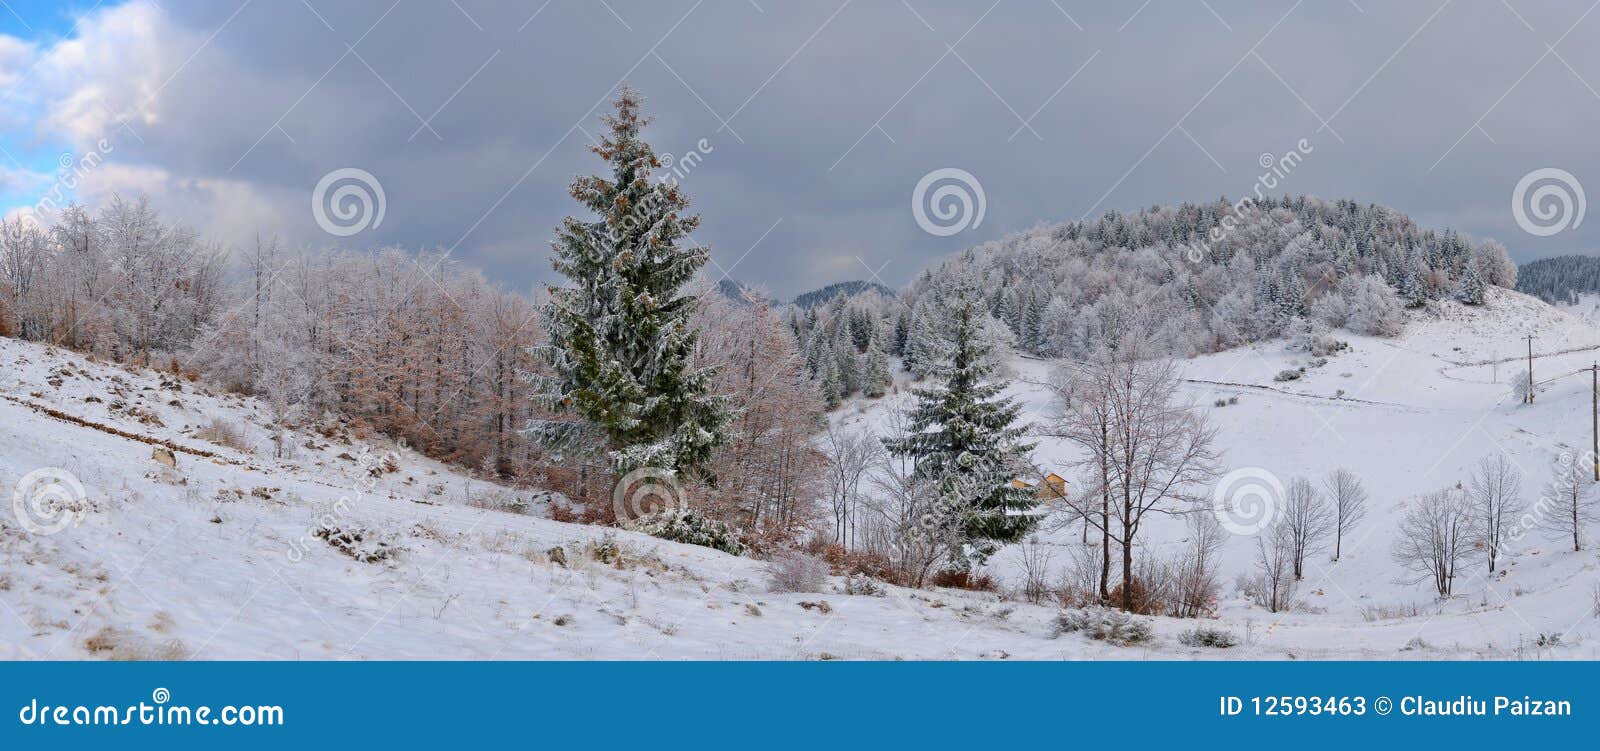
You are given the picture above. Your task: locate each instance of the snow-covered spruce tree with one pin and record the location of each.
(875, 377)
(964, 439)
(1470, 288)
(621, 341)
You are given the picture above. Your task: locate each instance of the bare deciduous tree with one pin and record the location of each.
(1495, 491)
(1349, 500)
(1274, 584)
(850, 455)
(906, 511)
(1569, 501)
(1153, 452)
(1307, 520)
(1195, 584)
(1434, 536)
(1035, 558)
(1082, 416)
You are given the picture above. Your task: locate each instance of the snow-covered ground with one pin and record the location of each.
(1409, 415)
(215, 559)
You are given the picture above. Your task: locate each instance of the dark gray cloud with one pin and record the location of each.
(822, 116)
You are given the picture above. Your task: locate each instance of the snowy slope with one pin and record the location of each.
(1410, 415)
(216, 560)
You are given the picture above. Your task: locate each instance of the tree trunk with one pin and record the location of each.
(1105, 519)
(1127, 568)
(1105, 545)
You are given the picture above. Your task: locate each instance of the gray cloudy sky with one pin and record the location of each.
(821, 116)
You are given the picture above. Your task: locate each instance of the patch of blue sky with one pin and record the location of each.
(30, 157)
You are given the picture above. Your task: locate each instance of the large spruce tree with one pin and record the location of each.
(964, 439)
(621, 340)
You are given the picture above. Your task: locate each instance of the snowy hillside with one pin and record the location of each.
(217, 558)
(1409, 415)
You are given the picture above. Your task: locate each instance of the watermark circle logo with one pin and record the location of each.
(947, 201)
(646, 491)
(1547, 201)
(348, 201)
(48, 500)
(1247, 500)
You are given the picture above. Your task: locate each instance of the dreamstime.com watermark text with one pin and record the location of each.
(156, 712)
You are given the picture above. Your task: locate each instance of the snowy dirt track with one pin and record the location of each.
(216, 559)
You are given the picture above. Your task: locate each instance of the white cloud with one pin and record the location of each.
(19, 180)
(112, 71)
(216, 208)
(15, 58)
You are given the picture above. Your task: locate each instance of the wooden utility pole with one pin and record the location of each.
(1530, 368)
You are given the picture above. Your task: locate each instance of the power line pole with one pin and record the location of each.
(1530, 368)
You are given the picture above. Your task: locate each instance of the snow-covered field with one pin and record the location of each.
(1409, 415)
(215, 559)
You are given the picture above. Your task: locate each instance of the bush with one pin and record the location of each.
(963, 580)
(1103, 624)
(858, 584)
(1288, 375)
(223, 434)
(797, 572)
(1207, 637)
(849, 562)
(686, 526)
(1149, 589)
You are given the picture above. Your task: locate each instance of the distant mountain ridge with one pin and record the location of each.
(840, 289)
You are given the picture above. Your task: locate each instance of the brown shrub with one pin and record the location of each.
(223, 433)
(964, 580)
(848, 562)
(561, 512)
(1144, 602)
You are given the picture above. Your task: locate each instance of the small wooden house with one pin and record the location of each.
(1052, 487)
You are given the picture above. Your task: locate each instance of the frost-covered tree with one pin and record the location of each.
(1147, 452)
(1274, 583)
(1569, 500)
(1307, 520)
(1374, 307)
(876, 379)
(1291, 257)
(925, 347)
(1348, 498)
(1470, 288)
(964, 438)
(769, 470)
(1495, 493)
(621, 342)
(1434, 536)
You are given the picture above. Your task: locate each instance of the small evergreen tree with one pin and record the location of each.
(621, 342)
(925, 344)
(902, 327)
(964, 439)
(849, 366)
(828, 384)
(1469, 289)
(875, 378)
(1412, 288)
